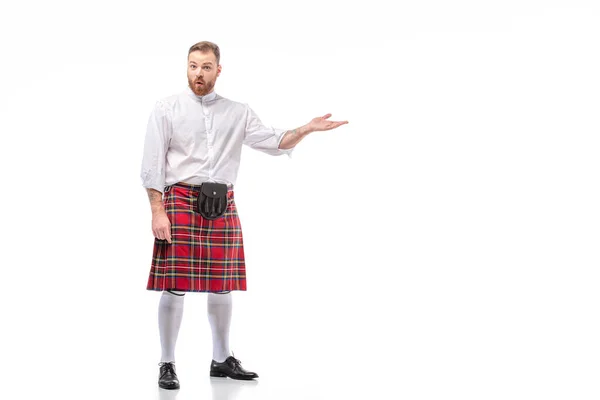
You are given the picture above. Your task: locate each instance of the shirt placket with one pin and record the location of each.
(210, 137)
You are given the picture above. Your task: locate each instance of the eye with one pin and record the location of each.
(207, 68)
(192, 66)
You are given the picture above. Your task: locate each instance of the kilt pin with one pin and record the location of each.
(204, 255)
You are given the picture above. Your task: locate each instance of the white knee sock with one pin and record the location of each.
(219, 316)
(170, 314)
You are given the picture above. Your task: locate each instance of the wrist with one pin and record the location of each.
(305, 130)
(157, 209)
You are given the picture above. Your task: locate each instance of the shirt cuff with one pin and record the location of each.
(281, 134)
(149, 183)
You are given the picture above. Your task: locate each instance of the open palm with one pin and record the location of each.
(322, 124)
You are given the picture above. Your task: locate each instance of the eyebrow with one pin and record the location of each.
(204, 63)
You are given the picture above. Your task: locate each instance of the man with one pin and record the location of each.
(191, 157)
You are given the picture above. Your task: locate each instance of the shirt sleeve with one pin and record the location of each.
(158, 137)
(263, 138)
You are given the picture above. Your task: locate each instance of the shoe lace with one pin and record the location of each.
(235, 361)
(168, 368)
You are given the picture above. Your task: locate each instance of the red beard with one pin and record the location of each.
(201, 90)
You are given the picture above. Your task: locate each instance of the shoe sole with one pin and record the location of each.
(222, 375)
(171, 387)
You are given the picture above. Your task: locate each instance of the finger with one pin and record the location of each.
(167, 233)
(332, 125)
(326, 116)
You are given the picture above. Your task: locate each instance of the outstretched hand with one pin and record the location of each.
(322, 124)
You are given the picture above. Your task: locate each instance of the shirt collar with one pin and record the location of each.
(211, 96)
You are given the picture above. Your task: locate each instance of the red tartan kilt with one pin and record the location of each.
(205, 255)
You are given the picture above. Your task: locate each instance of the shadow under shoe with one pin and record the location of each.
(231, 368)
(167, 378)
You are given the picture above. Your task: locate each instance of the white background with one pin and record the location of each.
(442, 245)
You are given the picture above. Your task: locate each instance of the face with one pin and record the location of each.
(202, 72)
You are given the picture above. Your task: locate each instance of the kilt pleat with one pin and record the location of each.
(204, 255)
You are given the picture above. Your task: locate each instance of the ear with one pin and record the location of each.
(219, 70)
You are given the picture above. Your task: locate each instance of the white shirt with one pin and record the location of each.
(195, 139)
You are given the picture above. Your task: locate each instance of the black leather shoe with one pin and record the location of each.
(231, 368)
(167, 378)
